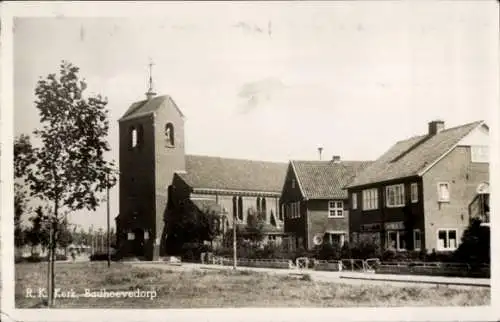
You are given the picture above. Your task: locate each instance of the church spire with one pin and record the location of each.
(150, 93)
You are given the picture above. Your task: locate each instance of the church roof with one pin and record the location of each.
(216, 173)
(146, 107)
(326, 179)
(411, 157)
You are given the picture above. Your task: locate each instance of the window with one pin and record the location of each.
(396, 240)
(447, 239)
(395, 195)
(293, 183)
(258, 204)
(282, 212)
(235, 207)
(133, 133)
(370, 199)
(414, 192)
(263, 207)
(336, 238)
(335, 209)
(169, 134)
(480, 153)
(240, 208)
(130, 236)
(417, 239)
(355, 200)
(443, 192)
(294, 210)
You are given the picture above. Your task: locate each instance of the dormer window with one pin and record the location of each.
(169, 135)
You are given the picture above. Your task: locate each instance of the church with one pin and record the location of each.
(156, 173)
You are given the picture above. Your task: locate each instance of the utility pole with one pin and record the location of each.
(234, 239)
(107, 210)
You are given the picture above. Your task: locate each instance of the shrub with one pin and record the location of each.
(475, 245)
(365, 249)
(328, 252)
(102, 257)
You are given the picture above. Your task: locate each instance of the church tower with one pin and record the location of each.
(151, 150)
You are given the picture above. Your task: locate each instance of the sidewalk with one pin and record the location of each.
(337, 277)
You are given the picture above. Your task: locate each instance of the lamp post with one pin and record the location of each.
(107, 218)
(234, 239)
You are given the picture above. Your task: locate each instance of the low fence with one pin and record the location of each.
(434, 268)
(371, 265)
(262, 263)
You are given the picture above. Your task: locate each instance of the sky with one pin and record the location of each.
(276, 81)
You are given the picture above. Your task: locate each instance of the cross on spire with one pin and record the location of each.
(150, 93)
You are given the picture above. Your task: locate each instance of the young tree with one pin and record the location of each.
(69, 172)
(255, 226)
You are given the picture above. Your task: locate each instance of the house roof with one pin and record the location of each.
(207, 172)
(413, 156)
(146, 107)
(326, 179)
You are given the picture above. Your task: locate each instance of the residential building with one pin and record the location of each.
(155, 173)
(422, 192)
(315, 202)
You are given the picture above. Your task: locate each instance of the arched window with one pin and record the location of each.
(263, 207)
(240, 208)
(258, 204)
(235, 208)
(169, 135)
(133, 137)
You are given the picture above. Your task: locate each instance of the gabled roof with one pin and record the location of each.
(326, 179)
(146, 107)
(414, 156)
(206, 172)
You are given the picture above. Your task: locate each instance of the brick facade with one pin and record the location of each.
(463, 177)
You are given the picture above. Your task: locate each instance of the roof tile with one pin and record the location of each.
(326, 179)
(408, 157)
(233, 174)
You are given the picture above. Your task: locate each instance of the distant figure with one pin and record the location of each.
(73, 255)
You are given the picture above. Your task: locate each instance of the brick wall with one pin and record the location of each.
(291, 193)
(463, 178)
(167, 161)
(384, 214)
(318, 221)
(136, 179)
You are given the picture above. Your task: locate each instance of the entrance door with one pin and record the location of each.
(139, 242)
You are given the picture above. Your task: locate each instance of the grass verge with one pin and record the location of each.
(227, 288)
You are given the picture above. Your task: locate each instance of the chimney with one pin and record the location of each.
(336, 159)
(320, 149)
(435, 127)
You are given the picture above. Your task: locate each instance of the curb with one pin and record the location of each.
(415, 281)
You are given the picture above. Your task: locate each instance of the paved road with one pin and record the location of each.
(339, 277)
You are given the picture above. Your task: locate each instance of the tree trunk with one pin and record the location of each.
(52, 253)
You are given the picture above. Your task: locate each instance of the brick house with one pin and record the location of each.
(422, 192)
(315, 202)
(155, 172)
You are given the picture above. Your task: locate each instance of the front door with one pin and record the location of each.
(139, 242)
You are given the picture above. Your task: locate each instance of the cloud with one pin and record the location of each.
(255, 93)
